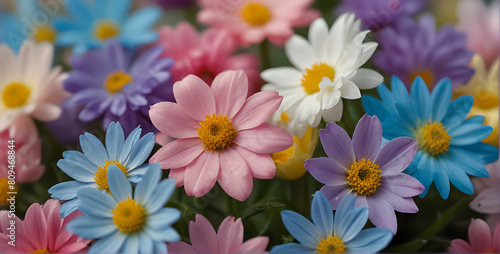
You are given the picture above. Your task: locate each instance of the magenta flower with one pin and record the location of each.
(368, 170)
(221, 135)
(480, 238)
(206, 55)
(253, 21)
(228, 239)
(42, 231)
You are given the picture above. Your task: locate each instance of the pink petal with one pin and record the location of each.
(488, 201)
(35, 226)
(46, 112)
(180, 247)
(178, 175)
(230, 235)
(255, 245)
(195, 97)
(201, 174)
(261, 165)
(381, 213)
(73, 247)
(265, 138)
(479, 235)
(53, 226)
(49, 206)
(230, 91)
(178, 153)
(460, 246)
(257, 109)
(203, 235)
(495, 245)
(235, 177)
(170, 119)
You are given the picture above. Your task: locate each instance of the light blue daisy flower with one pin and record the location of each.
(449, 145)
(333, 234)
(92, 23)
(124, 224)
(89, 168)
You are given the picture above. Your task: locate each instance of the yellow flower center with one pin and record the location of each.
(15, 95)
(283, 156)
(44, 33)
(364, 177)
(43, 250)
(105, 30)
(255, 14)
(313, 76)
(216, 132)
(128, 216)
(284, 117)
(433, 138)
(101, 176)
(116, 80)
(426, 75)
(332, 244)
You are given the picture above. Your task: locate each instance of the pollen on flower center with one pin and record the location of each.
(426, 75)
(15, 95)
(216, 132)
(44, 33)
(43, 250)
(105, 30)
(284, 117)
(255, 14)
(433, 138)
(116, 80)
(101, 176)
(332, 244)
(364, 177)
(129, 216)
(314, 75)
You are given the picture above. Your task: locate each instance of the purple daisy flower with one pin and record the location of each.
(368, 170)
(413, 49)
(174, 3)
(118, 84)
(377, 14)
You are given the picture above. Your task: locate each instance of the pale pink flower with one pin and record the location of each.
(228, 239)
(42, 230)
(252, 21)
(482, 27)
(206, 55)
(487, 189)
(480, 238)
(221, 135)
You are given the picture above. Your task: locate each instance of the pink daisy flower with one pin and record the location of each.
(42, 231)
(206, 55)
(487, 189)
(228, 239)
(252, 21)
(480, 238)
(221, 135)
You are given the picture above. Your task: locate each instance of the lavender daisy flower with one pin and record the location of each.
(377, 14)
(116, 84)
(413, 49)
(368, 170)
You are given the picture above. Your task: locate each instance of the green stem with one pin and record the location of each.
(265, 58)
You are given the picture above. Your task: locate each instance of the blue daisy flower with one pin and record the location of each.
(333, 234)
(92, 23)
(126, 223)
(449, 145)
(89, 168)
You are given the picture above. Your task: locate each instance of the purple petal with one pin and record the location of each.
(334, 194)
(396, 155)
(381, 213)
(115, 55)
(402, 205)
(326, 171)
(119, 105)
(367, 137)
(402, 184)
(337, 144)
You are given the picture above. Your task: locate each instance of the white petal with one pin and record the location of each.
(367, 78)
(318, 36)
(299, 52)
(282, 76)
(334, 114)
(349, 90)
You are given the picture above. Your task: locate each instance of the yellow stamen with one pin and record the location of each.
(364, 177)
(101, 176)
(256, 14)
(314, 75)
(216, 132)
(284, 117)
(426, 75)
(116, 80)
(129, 216)
(332, 244)
(105, 30)
(44, 33)
(15, 95)
(433, 138)
(43, 250)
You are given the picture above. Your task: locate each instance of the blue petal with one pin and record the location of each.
(407, 117)
(146, 245)
(68, 190)
(94, 202)
(110, 244)
(301, 228)
(79, 10)
(131, 244)
(118, 183)
(165, 235)
(345, 207)
(441, 96)
(68, 207)
(163, 218)
(160, 195)
(399, 91)
(159, 247)
(353, 223)
(292, 248)
(147, 185)
(141, 151)
(132, 138)
(441, 178)
(474, 119)
(370, 240)
(424, 173)
(143, 38)
(484, 152)
(120, 9)
(141, 20)
(457, 111)
(135, 175)
(322, 214)
(78, 166)
(93, 149)
(468, 134)
(468, 161)
(91, 227)
(458, 177)
(373, 106)
(421, 98)
(114, 140)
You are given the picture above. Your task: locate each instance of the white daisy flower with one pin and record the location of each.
(327, 69)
